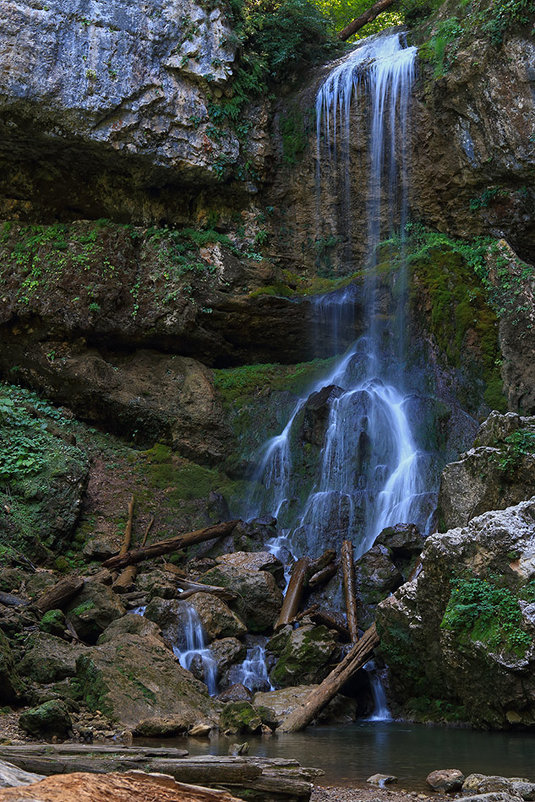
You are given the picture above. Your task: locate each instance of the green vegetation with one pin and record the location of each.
(35, 456)
(446, 280)
(517, 445)
(236, 384)
(275, 38)
(480, 609)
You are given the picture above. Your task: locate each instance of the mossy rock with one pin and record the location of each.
(50, 718)
(240, 717)
(304, 655)
(53, 622)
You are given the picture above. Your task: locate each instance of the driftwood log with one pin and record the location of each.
(281, 777)
(350, 591)
(56, 597)
(125, 580)
(167, 546)
(294, 592)
(322, 695)
(368, 16)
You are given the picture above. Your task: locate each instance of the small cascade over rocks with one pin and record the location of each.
(370, 472)
(253, 672)
(191, 647)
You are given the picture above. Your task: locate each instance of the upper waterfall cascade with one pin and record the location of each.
(370, 472)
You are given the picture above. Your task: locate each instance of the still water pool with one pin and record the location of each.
(350, 754)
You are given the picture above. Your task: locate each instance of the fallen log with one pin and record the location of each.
(323, 576)
(147, 530)
(350, 591)
(190, 588)
(116, 787)
(368, 16)
(125, 580)
(322, 695)
(167, 546)
(294, 592)
(9, 600)
(56, 597)
(328, 620)
(320, 563)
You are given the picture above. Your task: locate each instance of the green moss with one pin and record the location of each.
(240, 717)
(235, 384)
(83, 608)
(424, 709)
(479, 609)
(446, 283)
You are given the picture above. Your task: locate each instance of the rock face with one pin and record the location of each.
(48, 658)
(466, 623)
(139, 683)
(117, 83)
(498, 472)
(93, 610)
(10, 686)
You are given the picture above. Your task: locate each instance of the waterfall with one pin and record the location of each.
(253, 673)
(370, 472)
(195, 648)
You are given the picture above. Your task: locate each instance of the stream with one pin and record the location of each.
(351, 754)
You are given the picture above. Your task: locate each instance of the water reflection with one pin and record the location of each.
(350, 754)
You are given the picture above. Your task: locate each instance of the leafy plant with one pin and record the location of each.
(480, 609)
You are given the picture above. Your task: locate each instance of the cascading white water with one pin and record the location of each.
(196, 649)
(370, 470)
(252, 673)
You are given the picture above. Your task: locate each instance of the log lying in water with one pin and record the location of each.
(167, 546)
(322, 695)
(278, 778)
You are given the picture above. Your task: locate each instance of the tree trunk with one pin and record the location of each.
(172, 544)
(322, 576)
(126, 579)
(322, 695)
(62, 592)
(350, 593)
(292, 599)
(368, 16)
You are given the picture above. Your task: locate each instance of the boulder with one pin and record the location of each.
(216, 617)
(53, 622)
(10, 686)
(382, 779)
(490, 784)
(466, 623)
(93, 609)
(50, 718)
(240, 717)
(259, 598)
(304, 654)
(376, 576)
(226, 652)
(499, 472)
(236, 693)
(402, 540)
(275, 706)
(136, 681)
(316, 414)
(445, 780)
(171, 616)
(48, 658)
(129, 624)
(254, 561)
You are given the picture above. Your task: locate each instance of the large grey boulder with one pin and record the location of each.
(136, 681)
(466, 623)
